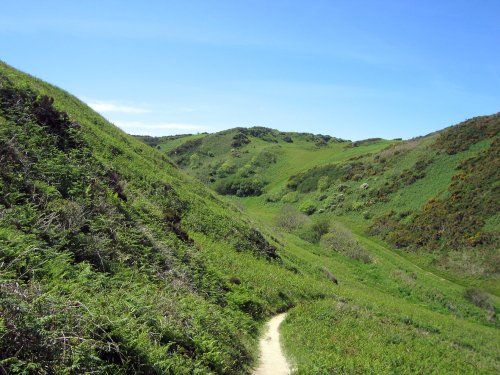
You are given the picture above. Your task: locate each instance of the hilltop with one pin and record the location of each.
(114, 260)
(249, 161)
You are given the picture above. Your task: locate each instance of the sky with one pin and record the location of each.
(351, 69)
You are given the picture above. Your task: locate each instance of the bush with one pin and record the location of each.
(478, 298)
(226, 168)
(308, 207)
(316, 230)
(290, 197)
(323, 183)
(460, 137)
(308, 181)
(240, 140)
(240, 188)
(359, 253)
(290, 219)
(248, 303)
(340, 239)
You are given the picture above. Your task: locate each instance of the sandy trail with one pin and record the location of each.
(272, 361)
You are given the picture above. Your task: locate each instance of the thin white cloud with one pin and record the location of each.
(140, 125)
(107, 107)
(187, 109)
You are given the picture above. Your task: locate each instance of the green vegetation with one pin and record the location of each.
(339, 238)
(408, 230)
(249, 160)
(343, 336)
(113, 260)
(436, 194)
(110, 257)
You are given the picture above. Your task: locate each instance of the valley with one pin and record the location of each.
(130, 254)
(315, 189)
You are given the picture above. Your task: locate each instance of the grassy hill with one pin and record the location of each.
(248, 162)
(409, 218)
(113, 260)
(109, 253)
(436, 194)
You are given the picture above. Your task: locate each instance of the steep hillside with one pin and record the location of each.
(103, 245)
(435, 194)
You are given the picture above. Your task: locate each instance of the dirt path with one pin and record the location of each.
(272, 361)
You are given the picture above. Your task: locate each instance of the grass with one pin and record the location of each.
(114, 261)
(109, 254)
(290, 158)
(343, 335)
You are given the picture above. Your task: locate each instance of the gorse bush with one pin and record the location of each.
(460, 137)
(457, 220)
(315, 178)
(308, 207)
(339, 237)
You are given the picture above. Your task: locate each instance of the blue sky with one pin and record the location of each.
(352, 69)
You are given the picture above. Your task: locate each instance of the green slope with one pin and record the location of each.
(414, 193)
(103, 245)
(260, 157)
(112, 260)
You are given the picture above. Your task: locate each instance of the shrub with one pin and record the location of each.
(240, 187)
(460, 137)
(323, 183)
(289, 218)
(364, 142)
(478, 298)
(310, 180)
(248, 303)
(342, 188)
(338, 238)
(274, 197)
(341, 239)
(308, 207)
(315, 230)
(226, 168)
(290, 197)
(194, 160)
(239, 140)
(359, 253)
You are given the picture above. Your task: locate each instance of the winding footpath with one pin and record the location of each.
(272, 361)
